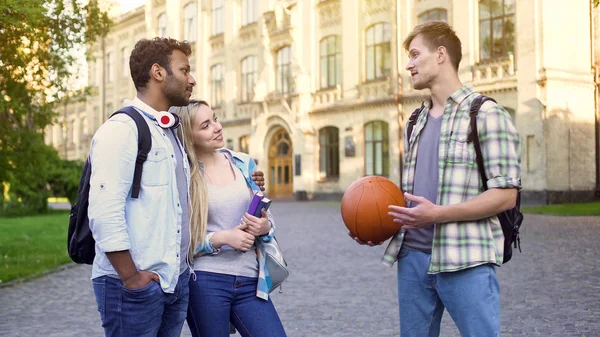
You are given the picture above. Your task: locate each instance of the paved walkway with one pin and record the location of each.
(339, 289)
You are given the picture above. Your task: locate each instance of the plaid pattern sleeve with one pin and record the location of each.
(500, 146)
(460, 245)
(247, 165)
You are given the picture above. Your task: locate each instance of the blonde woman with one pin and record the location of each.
(229, 284)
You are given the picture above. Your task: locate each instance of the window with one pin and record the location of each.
(70, 132)
(436, 14)
(124, 62)
(285, 80)
(217, 16)
(248, 12)
(329, 152)
(378, 53)
(216, 73)
(109, 111)
(189, 22)
(162, 25)
(331, 62)
(245, 144)
(496, 28)
(530, 146)
(248, 78)
(229, 145)
(109, 67)
(97, 117)
(99, 71)
(377, 153)
(85, 126)
(193, 66)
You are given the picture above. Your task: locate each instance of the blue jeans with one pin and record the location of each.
(217, 299)
(471, 296)
(147, 311)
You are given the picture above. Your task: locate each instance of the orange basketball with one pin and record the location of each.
(365, 208)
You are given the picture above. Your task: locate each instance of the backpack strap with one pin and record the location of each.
(412, 120)
(144, 145)
(474, 136)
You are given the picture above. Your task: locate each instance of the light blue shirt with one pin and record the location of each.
(149, 227)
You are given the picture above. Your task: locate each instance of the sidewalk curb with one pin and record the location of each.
(29, 278)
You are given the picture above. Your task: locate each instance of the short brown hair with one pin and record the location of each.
(436, 34)
(147, 52)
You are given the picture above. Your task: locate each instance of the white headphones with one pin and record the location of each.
(167, 120)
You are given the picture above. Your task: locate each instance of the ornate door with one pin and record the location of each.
(280, 165)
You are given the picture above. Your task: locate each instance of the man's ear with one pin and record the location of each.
(442, 54)
(157, 72)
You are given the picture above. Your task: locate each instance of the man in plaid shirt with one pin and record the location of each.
(451, 240)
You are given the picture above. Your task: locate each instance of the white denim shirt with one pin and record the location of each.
(150, 226)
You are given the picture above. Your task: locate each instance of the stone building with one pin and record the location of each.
(317, 92)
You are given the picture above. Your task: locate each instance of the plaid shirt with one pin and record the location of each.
(464, 244)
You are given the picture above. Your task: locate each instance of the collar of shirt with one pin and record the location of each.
(140, 105)
(458, 96)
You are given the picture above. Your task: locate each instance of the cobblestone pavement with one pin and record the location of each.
(339, 289)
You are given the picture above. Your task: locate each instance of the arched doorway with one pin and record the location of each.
(280, 165)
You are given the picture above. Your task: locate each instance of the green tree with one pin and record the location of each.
(63, 179)
(36, 64)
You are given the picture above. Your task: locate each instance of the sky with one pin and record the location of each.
(127, 5)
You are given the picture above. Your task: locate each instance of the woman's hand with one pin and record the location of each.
(236, 237)
(239, 239)
(256, 226)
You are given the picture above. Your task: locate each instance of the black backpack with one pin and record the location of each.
(80, 242)
(511, 219)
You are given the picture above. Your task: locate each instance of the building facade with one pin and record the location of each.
(317, 93)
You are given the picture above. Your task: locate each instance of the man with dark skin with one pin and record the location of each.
(142, 268)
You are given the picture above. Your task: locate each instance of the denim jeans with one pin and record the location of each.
(217, 299)
(471, 296)
(143, 312)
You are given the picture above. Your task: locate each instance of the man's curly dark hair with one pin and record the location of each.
(147, 52)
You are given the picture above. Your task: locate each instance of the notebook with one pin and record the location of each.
(258, 203)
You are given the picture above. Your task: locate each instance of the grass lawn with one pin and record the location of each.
(590, 208)
(33, 244)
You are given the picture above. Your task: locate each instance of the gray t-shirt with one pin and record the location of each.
(182, 189)
(426, 180)
(226, 206)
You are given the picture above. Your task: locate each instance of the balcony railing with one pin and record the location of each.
(246, 110)
(496, 70)
(327, 96)
(375, 89)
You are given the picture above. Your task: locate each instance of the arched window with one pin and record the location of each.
(216, 81)
(217, 16)
(331, 61)
(189, 22)
(329, 152)
(377, 149)
(162, 25)
(436, 14)
(248, 12)
(378, 50)
(285, 80)
(496, 28)
(249, 75)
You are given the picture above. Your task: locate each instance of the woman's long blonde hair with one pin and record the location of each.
(198, 203)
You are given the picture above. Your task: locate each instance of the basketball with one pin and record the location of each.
(365, 208)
